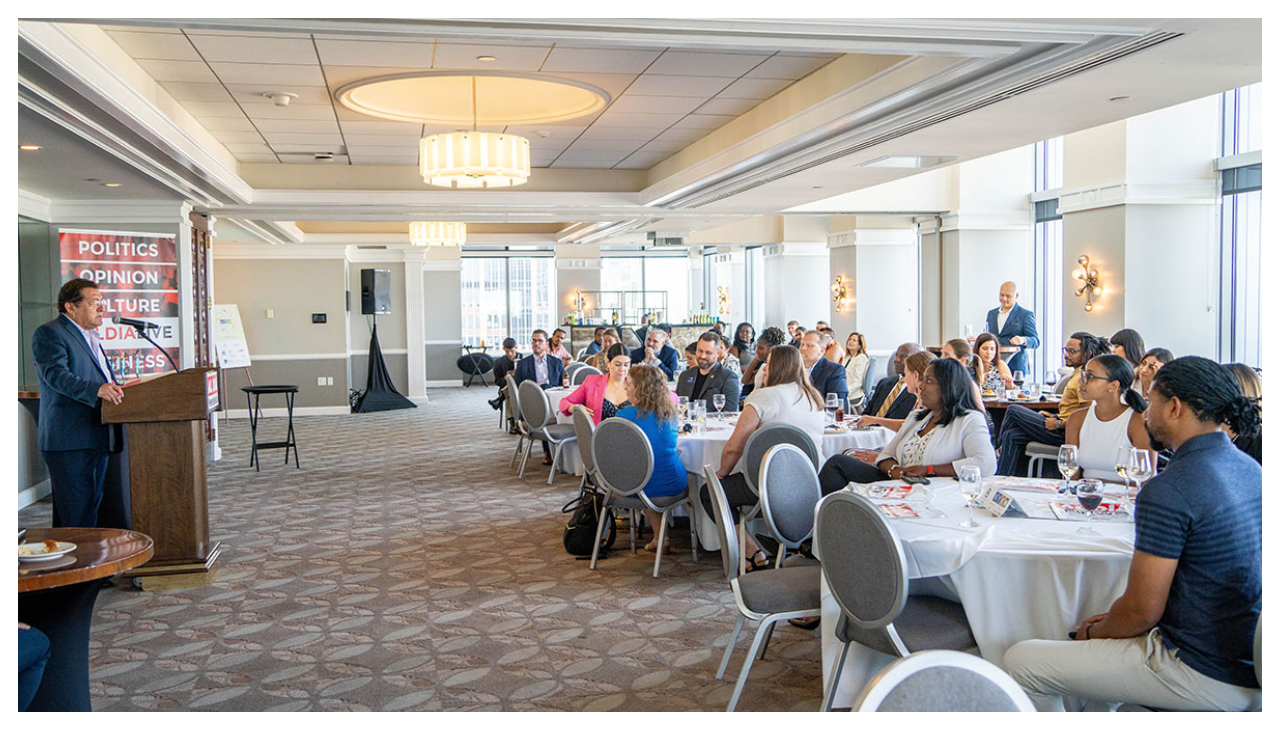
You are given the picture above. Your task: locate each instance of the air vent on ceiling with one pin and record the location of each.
(660, 240)
(372, 248)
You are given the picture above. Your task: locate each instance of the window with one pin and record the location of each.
(669, 274)
(493, 310)
(649, 274)
(1046, 286)
(1240, 232)
(755, 285)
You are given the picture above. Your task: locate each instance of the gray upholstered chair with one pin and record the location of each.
(789, 493)
(541, 422)
(868, 380)
(623, 461)
(571, 367)
(864, 564)
(1257, 650)
(753, 451)
(767, 596)
(581, 374)
(522, 428)
(585, 430)
(1038, 453)
(943, 681)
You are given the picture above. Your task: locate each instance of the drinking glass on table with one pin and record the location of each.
(970, 479)
(1051, 378)
(699, 410)
(1140, 470)
(1089, 494)
(1018, 378)
(717, 400)
(682, 407)
(1123, 456)
(1068, 464)
(833, 405)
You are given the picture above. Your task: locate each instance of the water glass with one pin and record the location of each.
(1124, 455)
(970, 479)
(717, 400)
(1068, 464)
(699, 409)
(682, 407)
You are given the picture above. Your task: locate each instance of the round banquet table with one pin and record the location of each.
(59, 601)
(1017, 578)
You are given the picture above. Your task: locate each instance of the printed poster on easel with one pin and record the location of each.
(137, 274)
(228, 337)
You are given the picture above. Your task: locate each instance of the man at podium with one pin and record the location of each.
(75, 378)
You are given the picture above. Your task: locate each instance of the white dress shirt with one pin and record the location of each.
(91, 338)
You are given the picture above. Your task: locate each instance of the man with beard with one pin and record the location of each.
(1181, 637)
(1022, 425)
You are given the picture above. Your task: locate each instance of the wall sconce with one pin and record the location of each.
(840, 295)
(724, 299)
(1089, 286)
(580, 302)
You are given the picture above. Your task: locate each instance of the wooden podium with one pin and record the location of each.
(166, 416)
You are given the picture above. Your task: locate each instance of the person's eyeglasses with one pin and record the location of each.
(1071, 350)
(539, 340)
(1086, 376)
(93, 303)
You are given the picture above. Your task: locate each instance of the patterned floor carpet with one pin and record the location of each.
(404, 567)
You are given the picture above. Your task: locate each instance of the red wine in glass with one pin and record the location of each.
(1089, 501)
(1018, 378)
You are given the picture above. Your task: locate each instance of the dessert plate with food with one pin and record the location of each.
(46, 550)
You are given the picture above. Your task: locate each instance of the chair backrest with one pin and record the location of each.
(765, 438)
(869, 377)
(1061, 386)
(585, 430)
(789, 492)
(1257, 649)
(623, 456)
(724, 523)
(568, 369)
(582, 374)
(943, 681)
(534, 405)
(862, 560)
(513, 392)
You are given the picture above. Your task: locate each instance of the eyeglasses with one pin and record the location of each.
(93, 303)
(1071, 350)
(1086, 376)
(538, 339)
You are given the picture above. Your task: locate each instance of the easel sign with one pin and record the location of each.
(229, 343)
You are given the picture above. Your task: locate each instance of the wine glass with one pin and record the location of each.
(717, 400)
(1068, 464)
(833, 405)
(1089, 494)
(970, 479)
(1051, 378)
(1018, 378)
(1123, 456)
(1140, 470)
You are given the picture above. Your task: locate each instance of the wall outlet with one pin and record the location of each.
(271, 314)
(319, 381)
(328, 381)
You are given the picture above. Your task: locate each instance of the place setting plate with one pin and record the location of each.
(40, 552)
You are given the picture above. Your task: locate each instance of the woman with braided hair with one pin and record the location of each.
(1181, 636)
(1251, 383)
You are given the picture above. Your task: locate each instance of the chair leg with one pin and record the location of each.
(742, 542)
(835, 678)
(728, 649)
(746, 665)
(661, 538)
(768, 636)
(693, 532)
(631, 522)
(516, 455)
(782, 555)
(555, 461)
(524, 461)
(604, 514)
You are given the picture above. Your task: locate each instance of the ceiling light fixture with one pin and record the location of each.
(486, 59)
(280, 98)
(437, 233)
(474, 159)
(112, 185)
(30, 147)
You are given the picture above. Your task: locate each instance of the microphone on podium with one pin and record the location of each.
(135, 323)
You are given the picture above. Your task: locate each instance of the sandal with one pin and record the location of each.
(753, 565)
(652, 547)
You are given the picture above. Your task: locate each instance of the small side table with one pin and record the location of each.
(472, 351)
(253, 393)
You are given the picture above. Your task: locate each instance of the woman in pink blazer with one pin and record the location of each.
(603, 395)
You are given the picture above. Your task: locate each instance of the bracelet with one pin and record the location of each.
(1086, 630)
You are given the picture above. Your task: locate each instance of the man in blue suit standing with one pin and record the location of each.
(828, 377)
(542, 368)
(657, 352)
(1014, 327)
(75, 378)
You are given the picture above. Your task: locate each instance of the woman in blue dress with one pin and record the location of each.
(653, 409)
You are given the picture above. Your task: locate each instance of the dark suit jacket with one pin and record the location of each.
(1020, 322)
(829, 377)
(719, 380)
(902, 405)
(70, 410)
(555, 371)
(667, 359)
(501, 366)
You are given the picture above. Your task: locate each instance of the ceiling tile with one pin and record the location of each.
(788, 67)
(551, 131)
(158, 46)
(509, 58)
(272, 74)
(243, 157)
(639, 134)
(754, 88)
(132, 29)
(381, 140)
(704, 121)
(339, 76)
(245, 33)
(189, 71)
(592, 155)
(642, 160)
(376, 53)
(306, 149)
(598, 60)
(253, 93)
(605, 145)
(681, 136)
(227, 124)
(704, 87)
(584, 164)
(613, 84)
(297, 127)
(275, 139)
(226, 136)
(689, 63)
(249, 49)
(359, 159)
(733, 107)
(293, 111)
(622, 119)
(410, 151)
(247, 148)
(399, 129)
(305, 159)
(196, 92)
(635, 103)
(213, 109)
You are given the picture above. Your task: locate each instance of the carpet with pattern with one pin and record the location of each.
(405, 567)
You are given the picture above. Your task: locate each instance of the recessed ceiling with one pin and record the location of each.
(469, 99)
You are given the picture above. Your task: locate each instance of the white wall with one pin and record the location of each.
(797, 284)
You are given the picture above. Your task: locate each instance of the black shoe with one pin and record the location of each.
(495, 404)
(808, 624)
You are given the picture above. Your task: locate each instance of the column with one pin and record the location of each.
(415, 324)
(878, 266)
(796, 281)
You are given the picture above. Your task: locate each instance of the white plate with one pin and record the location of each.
(63, 549)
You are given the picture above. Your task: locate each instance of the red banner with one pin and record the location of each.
(137, 274)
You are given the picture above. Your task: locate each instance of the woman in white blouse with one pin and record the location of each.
(787, 397)
(856, 363)
(948, 431)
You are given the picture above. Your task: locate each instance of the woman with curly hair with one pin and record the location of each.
(753, 377)
(653, 409)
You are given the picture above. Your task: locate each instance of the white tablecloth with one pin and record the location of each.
(1017, 578)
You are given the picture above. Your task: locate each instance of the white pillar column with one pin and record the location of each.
(414, 322)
